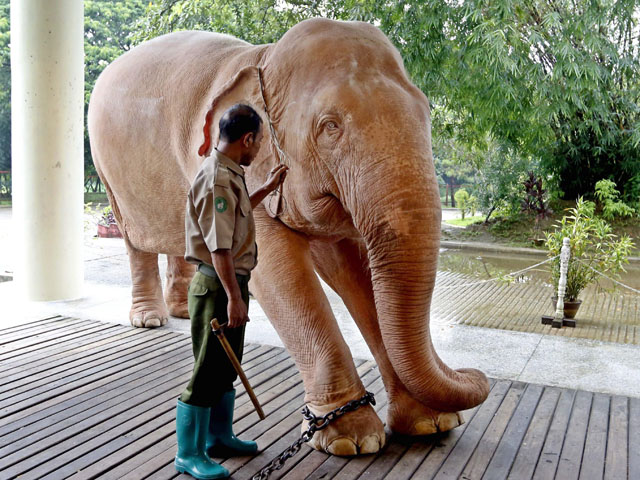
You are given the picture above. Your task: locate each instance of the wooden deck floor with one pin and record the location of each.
(81, 399)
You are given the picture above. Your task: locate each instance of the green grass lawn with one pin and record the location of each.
(466, 222)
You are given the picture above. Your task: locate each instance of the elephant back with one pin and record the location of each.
(145, 125)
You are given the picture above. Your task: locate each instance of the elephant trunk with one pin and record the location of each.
(401, 228)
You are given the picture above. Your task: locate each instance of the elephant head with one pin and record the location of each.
(357, 134)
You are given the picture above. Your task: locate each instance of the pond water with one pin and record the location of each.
(484, 265)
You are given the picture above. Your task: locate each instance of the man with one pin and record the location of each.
(220, 239)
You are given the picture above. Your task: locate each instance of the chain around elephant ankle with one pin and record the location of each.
(315, 423)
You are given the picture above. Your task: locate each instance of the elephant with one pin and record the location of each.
(360, 208)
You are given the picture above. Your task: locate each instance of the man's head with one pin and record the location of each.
(241, 130)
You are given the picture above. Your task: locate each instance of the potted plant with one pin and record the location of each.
(107, 227)
(593, 247)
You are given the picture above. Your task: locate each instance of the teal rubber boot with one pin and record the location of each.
(221, 442)
(191, 429)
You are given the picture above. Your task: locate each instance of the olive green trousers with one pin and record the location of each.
(213, 373)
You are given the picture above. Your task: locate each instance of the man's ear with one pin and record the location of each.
(248, 139)
(243, 88)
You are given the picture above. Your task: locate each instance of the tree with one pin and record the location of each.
(5, 88)
(547, 79)
(108, 33)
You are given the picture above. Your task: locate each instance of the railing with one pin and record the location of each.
(92, 184)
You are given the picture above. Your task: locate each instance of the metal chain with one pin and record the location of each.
(315, 423)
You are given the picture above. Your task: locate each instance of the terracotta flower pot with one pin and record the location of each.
(570, 308)
(112, 231)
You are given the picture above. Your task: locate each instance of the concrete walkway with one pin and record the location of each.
(530, 357)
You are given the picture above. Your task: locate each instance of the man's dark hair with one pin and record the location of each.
(237, 121)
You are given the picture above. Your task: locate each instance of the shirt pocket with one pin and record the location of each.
(198, 290)
(245, 207)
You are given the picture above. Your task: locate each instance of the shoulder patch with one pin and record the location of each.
(222, 177)
(221, 204)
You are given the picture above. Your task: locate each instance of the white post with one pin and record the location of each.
(47, 79)
(565, 254)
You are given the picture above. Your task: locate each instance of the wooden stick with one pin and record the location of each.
(218, 331)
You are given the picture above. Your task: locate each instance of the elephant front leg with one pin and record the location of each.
(290, 293)
(344, 267)
(179, 274)
(148, 308)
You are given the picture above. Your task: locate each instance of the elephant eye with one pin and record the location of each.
(331, 125)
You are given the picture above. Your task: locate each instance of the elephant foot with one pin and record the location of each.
(179, 309)
(407, 416)
(146, 317)
(357, 432)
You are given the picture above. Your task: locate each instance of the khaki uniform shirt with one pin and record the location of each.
(219, 215)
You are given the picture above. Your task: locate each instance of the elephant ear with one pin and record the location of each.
(243, 88)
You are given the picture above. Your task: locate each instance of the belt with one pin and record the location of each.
(207, 270)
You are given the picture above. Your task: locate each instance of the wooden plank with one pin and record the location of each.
(481, 457)
(41, 355)
(88, 341)
(45, 388)
(40, 431)
(69, 430)
(617, 442)
(63, 361)
(133, 371)
(596, 442)
(634, 438)
(47, 333)
(87, 377)
(531, 447)
(571, 457)
(511, 440)
(142, 448)
(552, 448)
(82, 446)
(26, 330)
(266, 392)
(85, 466)
(275, 406)
(13, 352)
(151, 466)
(384, 461)
(30, 324)
(455, 462)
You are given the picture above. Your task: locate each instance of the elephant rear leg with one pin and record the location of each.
(344, 267)
(179, 274)
(148, 308)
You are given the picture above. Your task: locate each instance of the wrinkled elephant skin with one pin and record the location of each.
(362, 205)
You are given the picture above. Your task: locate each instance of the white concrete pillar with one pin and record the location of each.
(47, 114)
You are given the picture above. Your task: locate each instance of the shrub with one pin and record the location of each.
(462, 201)
(612, 206)
(592, 243)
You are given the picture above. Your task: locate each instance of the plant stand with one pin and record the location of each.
(559, 320)
(112, 231)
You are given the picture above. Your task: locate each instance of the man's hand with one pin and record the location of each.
(275, 178)
(237, 313)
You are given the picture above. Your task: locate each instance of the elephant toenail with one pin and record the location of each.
(371, 444)
(342, 447)
(425, 426)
